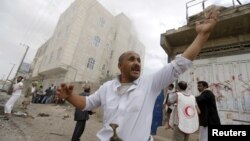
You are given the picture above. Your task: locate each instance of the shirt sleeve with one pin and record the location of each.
(20, 85)
(170, 72)
(202, 98)
(94, 100)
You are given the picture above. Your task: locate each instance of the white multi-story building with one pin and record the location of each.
(85, 45)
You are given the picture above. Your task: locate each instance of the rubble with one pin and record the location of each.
(48, 124)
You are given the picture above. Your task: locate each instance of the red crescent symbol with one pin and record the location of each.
(189, 111)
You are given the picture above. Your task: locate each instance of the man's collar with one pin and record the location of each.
(204, 90)
(134, 82)
(118, 83)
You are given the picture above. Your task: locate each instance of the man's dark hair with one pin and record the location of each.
(182, 85)
(87, 90)
(203, 83)
(171, 85)
(20, 77)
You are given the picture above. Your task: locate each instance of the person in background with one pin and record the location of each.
(16, 93)
(168, 108)
(48, 94)
(39, 94)
(81, 117)
(184, 117)
(209, 114)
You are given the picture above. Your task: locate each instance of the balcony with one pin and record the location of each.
(53, 69)
(233, 23)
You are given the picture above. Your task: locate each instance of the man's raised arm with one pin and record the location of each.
(203, 29)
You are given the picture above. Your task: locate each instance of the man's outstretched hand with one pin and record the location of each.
(207, 25)
(65, 91)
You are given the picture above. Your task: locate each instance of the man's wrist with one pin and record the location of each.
(68, 97)
(204, 34)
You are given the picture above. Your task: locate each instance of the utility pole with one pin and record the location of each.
(27, 48)
(8, 76)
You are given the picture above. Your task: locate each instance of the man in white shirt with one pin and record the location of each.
(128, 100)
(17, 91)
(168, 108)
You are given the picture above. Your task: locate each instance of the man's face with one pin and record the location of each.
(170, 88)
(130, 67)
(19, 79)
(200, 87)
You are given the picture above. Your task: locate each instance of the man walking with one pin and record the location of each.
(185, 115)
(17, 91)
(209, 114)
(81, 117)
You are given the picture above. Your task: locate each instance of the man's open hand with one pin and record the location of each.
(207, 25)
(65, 91)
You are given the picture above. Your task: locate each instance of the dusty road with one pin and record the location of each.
(57, 126)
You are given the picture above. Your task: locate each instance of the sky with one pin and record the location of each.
(31, 22)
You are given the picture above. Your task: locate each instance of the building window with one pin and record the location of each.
(115, 35)
(103, 67)
(111, 54)
(91, 63)
(96, 41)
(101, 21)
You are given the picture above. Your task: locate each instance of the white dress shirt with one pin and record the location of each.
(17, 88)
(132, 111)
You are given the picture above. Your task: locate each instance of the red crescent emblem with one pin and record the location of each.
(189, 111)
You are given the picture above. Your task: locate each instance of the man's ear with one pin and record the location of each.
(119, 65)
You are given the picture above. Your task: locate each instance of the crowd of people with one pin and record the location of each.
(44, 97)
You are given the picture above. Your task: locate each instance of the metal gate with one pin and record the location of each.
(229, 79)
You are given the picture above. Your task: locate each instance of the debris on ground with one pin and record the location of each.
(43, 115)
(20, 114)
(57, 134)
(65, 116)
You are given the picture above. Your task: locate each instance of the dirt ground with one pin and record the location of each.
(57, 126)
